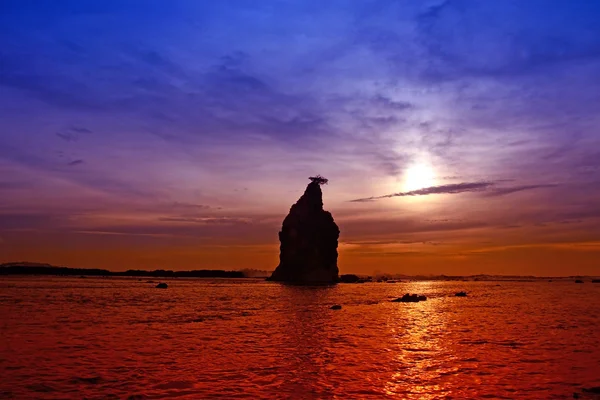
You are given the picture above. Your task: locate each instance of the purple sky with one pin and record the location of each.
(178, 133)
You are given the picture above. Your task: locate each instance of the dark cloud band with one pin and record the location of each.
(456, 188)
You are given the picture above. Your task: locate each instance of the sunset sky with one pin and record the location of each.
(458, 137)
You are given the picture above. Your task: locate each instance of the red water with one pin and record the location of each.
(122, 338)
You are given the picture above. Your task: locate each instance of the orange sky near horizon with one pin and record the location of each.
(544, 260)
(410, 236)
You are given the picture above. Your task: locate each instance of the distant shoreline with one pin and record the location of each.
(27, 268)
(47, 269)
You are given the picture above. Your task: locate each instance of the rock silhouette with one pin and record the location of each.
(410, 298)
(461, 294)
(162, 285)
(309, 241)
(349, 278)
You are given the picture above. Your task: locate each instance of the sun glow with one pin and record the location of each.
(418, 176)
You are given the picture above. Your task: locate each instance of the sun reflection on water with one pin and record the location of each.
(416, 330)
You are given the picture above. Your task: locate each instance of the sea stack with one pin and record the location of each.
(309, 241)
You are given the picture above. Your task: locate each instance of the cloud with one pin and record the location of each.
(187, 206)
(452, 188)
(454, 35)
(34, 221)
(66, 136)
(456, 188)
(385, 102)
(208, 220)
(515, 189)
(75, 162)
(12, 185)
(97, 181)
(236, 229)
(72, 134)
(590, 245)
(389, 242)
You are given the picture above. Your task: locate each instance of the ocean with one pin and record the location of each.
(122, 338)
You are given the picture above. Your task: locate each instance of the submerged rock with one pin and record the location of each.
(162, 285)
(588, 393)
(351, 278)
(410, 298)
(137, 397)
(336, 307)
(461, 294)
(595, 390)
(309, 241)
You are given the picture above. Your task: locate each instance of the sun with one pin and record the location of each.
(418, 176)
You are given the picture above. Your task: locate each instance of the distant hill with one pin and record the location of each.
(27, 268)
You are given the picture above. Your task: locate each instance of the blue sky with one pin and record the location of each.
(131, 117)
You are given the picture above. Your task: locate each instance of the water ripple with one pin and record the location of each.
(122, 339)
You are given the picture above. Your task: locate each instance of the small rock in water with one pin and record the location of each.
(93, 380)
(578, 281)
(336, 307)
(588, 393)
(162, 285)
(595, 280)
(349, 278)
(461, 294)
(137, 397)
(410, 298)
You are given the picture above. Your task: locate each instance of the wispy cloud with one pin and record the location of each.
(452, 188)
(515, 189)
(12, 185)
(489, 188)
(591, 245)
(208, 220)
(187, 206)
(73, 133)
